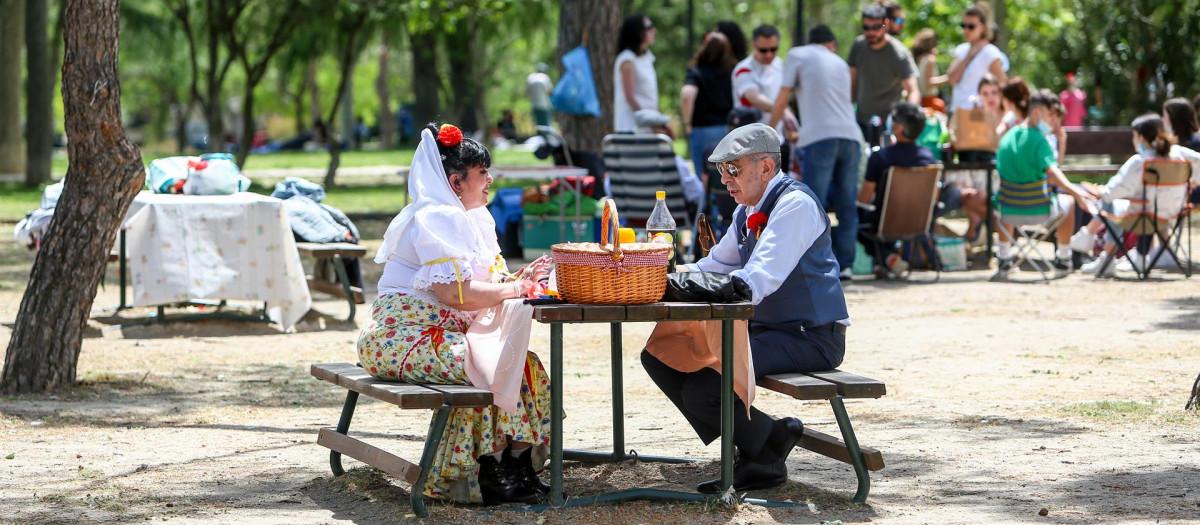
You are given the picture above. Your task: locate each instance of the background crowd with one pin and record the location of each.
(887, 105)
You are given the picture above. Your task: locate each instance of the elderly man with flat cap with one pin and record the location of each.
(779, 245)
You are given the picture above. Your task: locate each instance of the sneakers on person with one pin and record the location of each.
(1063, 265)
(896, 264)
(1083, 241)
(1095, 265)
(1004, 265)
(846, 274)
(1138, 262)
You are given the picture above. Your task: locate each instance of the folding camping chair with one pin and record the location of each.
(1032, 229)
(638, 165)
(909, 200)
(1161, 212)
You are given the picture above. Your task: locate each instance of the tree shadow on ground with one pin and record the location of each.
(139, 324)
(364, 494)
(152, 400)
(1187, 317)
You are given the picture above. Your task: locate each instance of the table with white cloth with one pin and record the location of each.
(183, 248)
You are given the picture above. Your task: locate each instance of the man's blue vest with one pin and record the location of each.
(812, 293)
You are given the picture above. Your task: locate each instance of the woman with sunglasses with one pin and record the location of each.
(973, 59)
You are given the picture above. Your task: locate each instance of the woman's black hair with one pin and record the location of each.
(633, 33)
(1182, 116)
(737, 39)
(1150, 128)
(467, 154)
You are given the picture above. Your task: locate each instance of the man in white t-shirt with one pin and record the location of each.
(756, 78)
(828, 133)
(538, 86)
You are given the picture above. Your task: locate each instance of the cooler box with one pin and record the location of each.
(539, 232)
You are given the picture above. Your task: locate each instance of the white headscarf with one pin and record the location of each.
(429, 187)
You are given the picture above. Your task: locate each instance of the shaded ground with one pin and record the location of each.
(1003, 399)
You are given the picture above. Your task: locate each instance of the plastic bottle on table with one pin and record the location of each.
(660, 227)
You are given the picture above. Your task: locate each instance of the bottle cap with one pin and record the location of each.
(660, 195)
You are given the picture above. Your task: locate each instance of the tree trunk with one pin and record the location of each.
(314, 96)
(12, 25)
(347, 58)
(39, 91)
(1194, 401)
(425, 81)
(602, 21)
(243, 144)
(387, 121)
(105, 174)
(466, 76)
(183, 113)
(214, 102)
(1000, 18)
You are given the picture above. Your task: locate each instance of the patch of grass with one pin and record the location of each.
(1110, 410)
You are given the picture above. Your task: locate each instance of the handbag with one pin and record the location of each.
(705, 239)
(974, 130)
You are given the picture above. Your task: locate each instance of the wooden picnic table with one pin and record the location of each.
(558, 315)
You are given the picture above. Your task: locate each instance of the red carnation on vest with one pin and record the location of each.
(756, 223)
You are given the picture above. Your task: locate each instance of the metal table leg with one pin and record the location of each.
(343, 426)
(340, 269)
(556, 409)
(726, 404)
(618, 388)
(987, 221)
(860, 467)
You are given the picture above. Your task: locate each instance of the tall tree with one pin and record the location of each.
(203, 23)
(105, 174)
(39, 89)
(599, 21)
(266, 30)
(355, 21)
(12, 21)
(423, 40)
(386, 119)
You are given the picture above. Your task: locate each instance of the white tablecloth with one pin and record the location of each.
(236, 247)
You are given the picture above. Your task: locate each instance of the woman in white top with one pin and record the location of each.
(973, 59)
(442, 264)
(635, 83)
(1118, 197)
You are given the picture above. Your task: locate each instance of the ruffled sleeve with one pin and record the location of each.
(442, 242)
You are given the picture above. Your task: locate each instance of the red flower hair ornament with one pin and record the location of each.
(756, 223)
(449, 135)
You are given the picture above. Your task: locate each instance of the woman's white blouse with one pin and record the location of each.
(435, 248)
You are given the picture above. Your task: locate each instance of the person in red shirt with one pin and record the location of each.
(1073, 100)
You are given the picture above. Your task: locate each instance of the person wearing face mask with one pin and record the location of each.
(1028, 168)
(1152, 141)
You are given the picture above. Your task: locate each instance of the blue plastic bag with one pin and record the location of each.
(575, 92)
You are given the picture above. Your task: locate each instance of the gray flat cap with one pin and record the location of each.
(746, 140)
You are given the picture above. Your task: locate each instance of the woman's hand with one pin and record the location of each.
(538, 270)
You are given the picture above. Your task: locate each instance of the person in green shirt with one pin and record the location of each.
(1028, 168)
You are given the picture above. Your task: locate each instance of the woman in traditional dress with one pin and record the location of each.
(442, 266)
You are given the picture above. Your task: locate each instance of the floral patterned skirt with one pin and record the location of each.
(414, 339)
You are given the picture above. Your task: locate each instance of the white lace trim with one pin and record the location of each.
(442, 273)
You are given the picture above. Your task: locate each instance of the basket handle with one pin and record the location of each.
(611, 235)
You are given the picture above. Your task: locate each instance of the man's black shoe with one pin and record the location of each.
(795, 431)
(748, 475)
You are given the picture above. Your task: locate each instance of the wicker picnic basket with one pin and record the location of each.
(609, 273)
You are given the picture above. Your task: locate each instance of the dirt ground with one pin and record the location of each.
(1005, 401)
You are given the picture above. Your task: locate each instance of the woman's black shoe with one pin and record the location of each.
(523, 464)
(500, 482)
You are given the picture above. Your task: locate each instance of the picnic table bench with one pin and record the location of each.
(334, 252)
(439, 398)
(830, 385)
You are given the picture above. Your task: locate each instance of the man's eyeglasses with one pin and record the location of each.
(969, 27)
(898, 20)
(765, 50)
(731, 169)
(649, 27)
(872, 27)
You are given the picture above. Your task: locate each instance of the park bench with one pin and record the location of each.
(834, 386)
(1113, 142)
(334, 252)
(439, 398)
